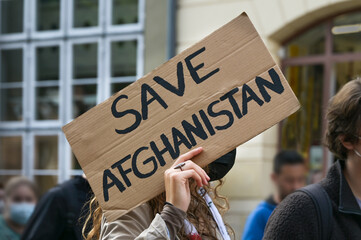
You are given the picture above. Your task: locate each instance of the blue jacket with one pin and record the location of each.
(257, 220)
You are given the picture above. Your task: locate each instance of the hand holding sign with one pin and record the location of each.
(176, 180)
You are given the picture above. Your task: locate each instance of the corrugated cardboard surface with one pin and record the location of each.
(240, 54)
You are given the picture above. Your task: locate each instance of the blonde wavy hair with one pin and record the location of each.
(198, 212)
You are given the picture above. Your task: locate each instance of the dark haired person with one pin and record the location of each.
(289, 174)
(297, 217)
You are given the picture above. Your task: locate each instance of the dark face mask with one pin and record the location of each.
(220, 167)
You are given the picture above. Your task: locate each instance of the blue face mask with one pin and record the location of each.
(21, 212)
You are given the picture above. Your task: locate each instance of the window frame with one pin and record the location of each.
(22, 35)
(126, 28)
(24, 159)
(69, 77)
(140, 61)
(45, 124)
(29, 40)
(47, 34)
(73, 32)
(47, 172)
(24, 85)
(328, 60)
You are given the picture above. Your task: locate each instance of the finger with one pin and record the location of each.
(191, 165)
(189, 155)
(191, 174)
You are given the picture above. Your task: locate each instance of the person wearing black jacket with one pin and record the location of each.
(59, 213)
(296, 217)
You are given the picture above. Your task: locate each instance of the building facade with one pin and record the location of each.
(318, 46)
(59, 58)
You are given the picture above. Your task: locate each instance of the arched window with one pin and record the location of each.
(317, 62)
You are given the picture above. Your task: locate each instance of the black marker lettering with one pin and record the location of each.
(233, 101)
(193, 70)
(207, 123)
(196, 128)
(220, 113)
(116, 114)
(178, 139)
(159, 153)
(150, 159)
(145, 102)
(123, 172)
(245, 99)
(180, 75)
(276, 86)
(108, 174)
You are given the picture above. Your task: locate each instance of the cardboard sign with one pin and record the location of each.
(217, 94)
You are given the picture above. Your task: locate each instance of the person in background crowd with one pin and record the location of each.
(2, 196)
(21, 195)
(289, 174)
(58, 214)
(296, 217)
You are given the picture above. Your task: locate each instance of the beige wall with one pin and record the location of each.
(155, 34)
(248, 182)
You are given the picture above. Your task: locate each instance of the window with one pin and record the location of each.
(8, 10)
(11, 88)
(47, 15)
(84, 76)
(47, 82)
(123, 63)
(86, 13)
(124, 12)
(11, 148)
(58, 59)
(317, 63)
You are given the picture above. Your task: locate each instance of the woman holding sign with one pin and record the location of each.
(184, 211)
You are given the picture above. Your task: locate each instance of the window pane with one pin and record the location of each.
(125, 11)
(85, 13)
(11, 104)
(311, 42)
(346, 71)
(85, 61)
(45, 182)
(12, 15)
(303, 130)
(11, 65)
(46, 152)
(345, 38)
(85, 97)
(116, 87)
(47, 103)
(47, 63)
(48, 15)
(124, 58)
(11, 152)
